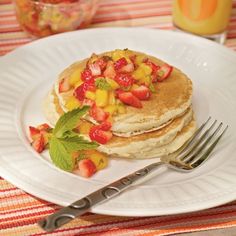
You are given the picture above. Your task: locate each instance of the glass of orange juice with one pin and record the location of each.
(207, 18)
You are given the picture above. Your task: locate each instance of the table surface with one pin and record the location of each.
(20, 211)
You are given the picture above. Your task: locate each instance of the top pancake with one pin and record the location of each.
(172, 98)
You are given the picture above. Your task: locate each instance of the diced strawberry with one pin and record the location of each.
(164, 72)
(105, 126)
(64, 85)
(118, 92)
(95, 69)
(127, 68)
(120, 63)
(142, 92)
(124, 80)
(130, 99)
(110, 70)
(98, 114)
(80, 91)
(102, 62)
(87, 168)
(38, 144)
(34, 132)
(100, 136)
(87, 76)
(88, 102)
(44, 126)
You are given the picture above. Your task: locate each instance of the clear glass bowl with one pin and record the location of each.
(40, 18)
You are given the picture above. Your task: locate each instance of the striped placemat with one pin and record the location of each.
(20, 211)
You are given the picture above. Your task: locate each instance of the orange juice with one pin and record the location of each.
(202, 17)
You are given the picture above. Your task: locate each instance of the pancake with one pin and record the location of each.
(173, 98)
(153, 144)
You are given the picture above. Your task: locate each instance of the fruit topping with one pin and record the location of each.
(142, 92)
(164, 72)
(95, 69)
(130, 99)
(87, 168)
(64, 85)
(38, 144)
(98, 114)
(99, 135)
(124, 80)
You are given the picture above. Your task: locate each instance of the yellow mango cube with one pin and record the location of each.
(99, 159)
(121, 109)
(147, 69)
(90, 95)
(112, 109)
(72, 103)
(84, 127)
(75, 77)
(101, 97)
(139, 59)
(111, 99)
(114, 85)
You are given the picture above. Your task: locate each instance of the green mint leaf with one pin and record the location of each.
(60, 155)
(152, 88)
(68, 121)
(77, 143)
(101, 83)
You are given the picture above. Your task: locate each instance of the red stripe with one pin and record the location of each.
(8, 189)
(127, 17)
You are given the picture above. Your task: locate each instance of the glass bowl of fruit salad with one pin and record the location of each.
(41, 18)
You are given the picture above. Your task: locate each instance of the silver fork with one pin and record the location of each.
(192, 155)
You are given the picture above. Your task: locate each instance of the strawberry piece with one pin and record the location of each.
(130, 99)
(105, 126)
(88, 102)
(110, 70)
(87, 75)
(80, 91)
(164, 72)
(38, 144)
(44, 126)
(64, 85)
(34, 132)
(87, 168)
(98, 135)
(127, 68)
(142, 92)
(124, 80)
(98, 114)
(120, 63)
(102, 62)
(95, 69)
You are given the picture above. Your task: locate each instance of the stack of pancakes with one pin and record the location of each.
(160, 127)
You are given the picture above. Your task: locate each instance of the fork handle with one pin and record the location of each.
(83, 205)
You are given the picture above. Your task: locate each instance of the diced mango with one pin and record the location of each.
(114, 85)
(139, 59)
(111, 99)
(90, 95)
(121, 109)
(75, 77)
(134, 86)
(145, 80)
(143, 73)
(117, 54)
(147, 69)
(99, 159)
(72, 103)
(101, 97)
(112, 109)
(84, 127)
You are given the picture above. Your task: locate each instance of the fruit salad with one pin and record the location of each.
(105, 86)
(45, 17)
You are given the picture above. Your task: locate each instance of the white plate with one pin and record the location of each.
(29, 72)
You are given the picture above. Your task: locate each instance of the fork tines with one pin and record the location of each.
(202, 143)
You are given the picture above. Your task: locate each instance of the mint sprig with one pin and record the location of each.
(68, 121)
(64, 141)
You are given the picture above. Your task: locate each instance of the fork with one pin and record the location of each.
(192, 155)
